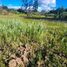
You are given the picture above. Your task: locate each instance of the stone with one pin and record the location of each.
(26, 53)
(25, 60)
(19, 62)
(13, 56)
(12, 63)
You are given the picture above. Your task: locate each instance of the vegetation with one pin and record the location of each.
(32, 41)
(27, 4)
(47, 41)
(59, 13)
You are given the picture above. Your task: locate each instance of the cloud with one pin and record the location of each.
(46, 4)
(14, 7)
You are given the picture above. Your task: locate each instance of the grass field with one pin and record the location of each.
(48, 40)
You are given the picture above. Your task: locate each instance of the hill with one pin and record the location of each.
(32, 43)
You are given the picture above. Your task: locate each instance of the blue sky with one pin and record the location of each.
(11, 2)
(60, 3)
(17, 3)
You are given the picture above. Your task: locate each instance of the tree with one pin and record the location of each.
(66, 9)
(60, 12)
(25, 4)
(35, 5)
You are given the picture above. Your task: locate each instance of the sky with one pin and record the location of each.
(43, 4)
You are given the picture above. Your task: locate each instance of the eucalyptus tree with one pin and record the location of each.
(28, 3)
(25, 4)
(35, 5)
(59, 13)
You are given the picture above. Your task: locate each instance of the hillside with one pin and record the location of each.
(32, 43)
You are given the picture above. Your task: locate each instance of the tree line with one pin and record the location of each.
(59, 13)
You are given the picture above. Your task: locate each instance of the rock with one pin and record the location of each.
(12, 63)
(26, 53)
(25, 59)
(19, 62)
(13, 56)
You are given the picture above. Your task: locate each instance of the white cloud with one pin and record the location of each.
(15, 7)
(46, 4)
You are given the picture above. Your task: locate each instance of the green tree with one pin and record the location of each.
(25, 4)
(35, 5)
(59, 13)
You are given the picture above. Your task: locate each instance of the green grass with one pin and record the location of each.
(49, 35)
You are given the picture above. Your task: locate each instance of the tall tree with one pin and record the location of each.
(25, 4)
(35, 5)
(60, 12)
